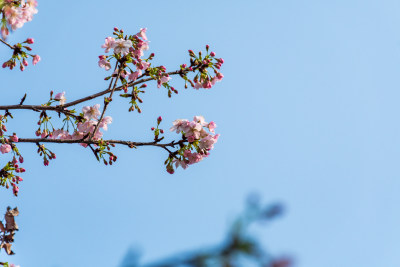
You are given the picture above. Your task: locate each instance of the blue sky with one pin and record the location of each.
(308, 115)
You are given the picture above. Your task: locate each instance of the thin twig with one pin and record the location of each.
(106, 103)
(7, 44)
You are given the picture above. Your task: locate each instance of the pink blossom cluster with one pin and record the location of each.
(21, 56)
(91, 116)
(16, 179)
(17, 13)
(132, 48)
(207, 82)
(200, 140)
(7, 172)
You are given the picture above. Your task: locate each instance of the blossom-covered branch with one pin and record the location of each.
(131, 71)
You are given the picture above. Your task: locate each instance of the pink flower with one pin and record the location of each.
(61, 98)
(200, 119)
(181, 163)
(5, 148)
(91, 112)
(163, 80)
(193, 157)
(122, 46)
(30, 40)
(106, 120)
(14, 138)
(44, 134)
(179, 125)
(86, 127)
(208, 142)
(143, 65)
(103, 63)
(109, 43)
(198, 85)
(134, 75)
(142, 33)
(35, 59)
(211, 126)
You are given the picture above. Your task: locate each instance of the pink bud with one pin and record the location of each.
(35, 59)
(25, 62)
(159, 119)
(212, 54)
(30, 40)
(161, 131)
(116, 29)
(14, 138)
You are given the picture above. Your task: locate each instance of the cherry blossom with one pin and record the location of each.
(91, 112)
(163, 80)
(134, 75)
(109, 44)
(122, 46)
(35, 59)
(5, 148)
(104, 63)
(61, 98)
(104, 122)
(142, 33)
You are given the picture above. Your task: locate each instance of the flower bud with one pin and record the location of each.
(30, 40)
(212, 54)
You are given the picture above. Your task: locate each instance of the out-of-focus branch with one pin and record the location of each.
(237, 246)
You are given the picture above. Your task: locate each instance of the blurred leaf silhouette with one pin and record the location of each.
(239, 248)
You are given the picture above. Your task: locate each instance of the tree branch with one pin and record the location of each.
(84, 99)
(131, 144)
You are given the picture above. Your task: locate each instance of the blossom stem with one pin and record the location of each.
(7, 44)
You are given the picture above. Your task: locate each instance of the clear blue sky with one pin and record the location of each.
(308, 114)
